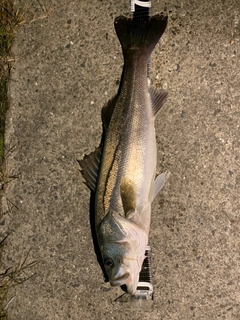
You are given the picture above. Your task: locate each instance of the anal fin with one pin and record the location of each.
(158, 97)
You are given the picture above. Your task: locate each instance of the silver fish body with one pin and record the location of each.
(122, 170)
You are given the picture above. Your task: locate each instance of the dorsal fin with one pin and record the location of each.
(107, 111)
(158, 97)
(90, 167)
(128, 195)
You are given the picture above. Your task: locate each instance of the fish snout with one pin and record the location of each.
(127, 280)
(132, 284)
(126, 277)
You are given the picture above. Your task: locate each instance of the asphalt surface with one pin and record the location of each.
(68, 65)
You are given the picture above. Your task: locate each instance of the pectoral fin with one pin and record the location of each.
(90, 168)
(159, 183)
(128, 195)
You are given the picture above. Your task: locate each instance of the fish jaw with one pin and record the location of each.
(128, 276)
(132, 283)
(122, 277)
(123, 245)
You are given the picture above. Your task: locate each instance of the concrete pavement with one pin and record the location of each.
(68, 65)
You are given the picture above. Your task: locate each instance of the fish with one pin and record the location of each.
(122, 170)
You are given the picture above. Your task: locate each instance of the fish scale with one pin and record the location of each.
(120, 142)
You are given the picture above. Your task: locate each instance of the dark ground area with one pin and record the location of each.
(68, 65)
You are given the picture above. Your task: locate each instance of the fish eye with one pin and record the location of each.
(108, 263)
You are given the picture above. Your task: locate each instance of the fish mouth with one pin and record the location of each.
(120, 280)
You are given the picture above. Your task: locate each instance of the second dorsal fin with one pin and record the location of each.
(107, 111)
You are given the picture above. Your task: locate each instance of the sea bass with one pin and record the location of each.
(122, 171)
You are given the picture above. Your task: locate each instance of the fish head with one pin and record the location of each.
(123, 245)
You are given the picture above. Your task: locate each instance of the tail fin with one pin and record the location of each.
(138, 34)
